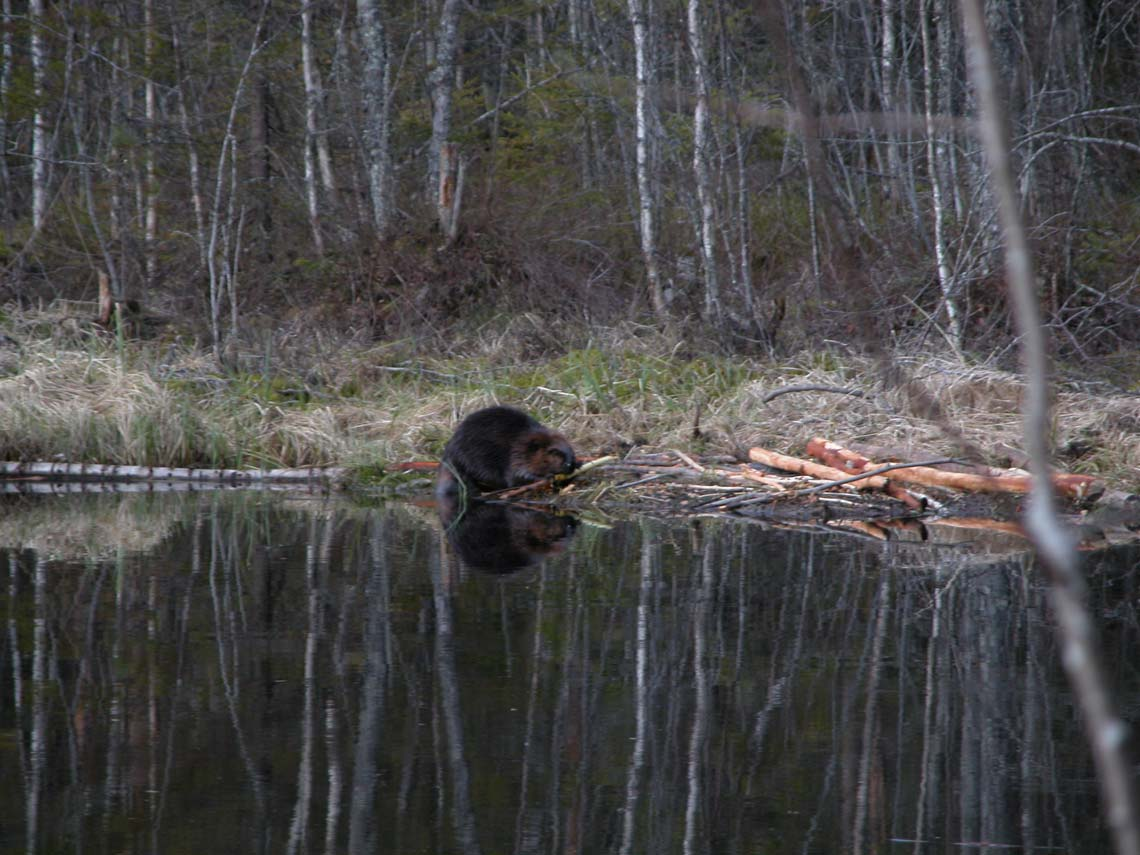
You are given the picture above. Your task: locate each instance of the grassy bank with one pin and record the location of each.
(79, 394)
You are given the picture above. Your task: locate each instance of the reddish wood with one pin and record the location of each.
(106, 301)
(836, 455)
(815, 470)
(842, 458)
(1080, 487)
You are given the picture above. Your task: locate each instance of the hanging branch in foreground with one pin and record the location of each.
(1080, 653)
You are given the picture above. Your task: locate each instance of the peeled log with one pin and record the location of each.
(815, 470)
(1081, 487)
(834, 454)
(841, 458)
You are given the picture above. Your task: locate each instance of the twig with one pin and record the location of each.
(879, 471)
(689, 460)
(787, 390)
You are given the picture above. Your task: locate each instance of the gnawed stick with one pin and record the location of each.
(510, 492)
(787, 463)
(1079, 487)
(848, 461)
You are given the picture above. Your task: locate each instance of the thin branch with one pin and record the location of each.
(1054, 544)
(787, 390)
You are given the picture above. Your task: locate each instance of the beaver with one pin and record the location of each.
(501, 447)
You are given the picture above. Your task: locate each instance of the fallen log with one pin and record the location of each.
(788, 463)
(841, 458)
(51, 471)
(1079, 487)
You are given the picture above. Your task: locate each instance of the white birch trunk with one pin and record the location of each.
(151, 218)
(5, 88)
(375, 94)
(440, 82)
(701, 161)
(948, 158)
(886, 84)
(312, 196)
(744, 226)
(637, 17)
(934, 169)
(39, 118)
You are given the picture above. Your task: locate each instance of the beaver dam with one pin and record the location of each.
(833, 487)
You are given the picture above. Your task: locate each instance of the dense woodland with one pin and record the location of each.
(778, 170)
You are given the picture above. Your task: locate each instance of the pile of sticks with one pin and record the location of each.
(841, 480)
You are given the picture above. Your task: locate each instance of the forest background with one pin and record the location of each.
(325, 230)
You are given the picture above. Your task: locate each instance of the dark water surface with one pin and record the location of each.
(245, 672)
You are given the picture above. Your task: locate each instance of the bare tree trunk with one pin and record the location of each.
(196, 195)
(221, 274)
(112, 286)
(887, 95)
(451, 170)
(943, 17)
(116, 166)
(637, 16)
(5, 88)
(39, 117)
(260, 170)
(701, 161)
(376, 95)
(945, 277)
(151, 225)
(1080, 654)
(321, 138)
(312, 196)
(440, 82)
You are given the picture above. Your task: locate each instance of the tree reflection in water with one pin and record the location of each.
(257, 674)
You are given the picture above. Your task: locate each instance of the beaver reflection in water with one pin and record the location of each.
(500, 447)
(500, 537)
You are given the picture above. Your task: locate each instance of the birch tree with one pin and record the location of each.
(701, 161)
(638, 17)
(39, 117)
(312, 196)
(375, 91)
(440, 81)
(151, 216)
(5, 89)
(945, 277)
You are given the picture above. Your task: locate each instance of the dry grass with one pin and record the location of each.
(77, 397)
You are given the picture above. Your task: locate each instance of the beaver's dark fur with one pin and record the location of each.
(501, 447)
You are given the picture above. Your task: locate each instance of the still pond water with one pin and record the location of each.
(255, 672)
